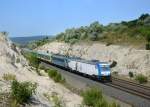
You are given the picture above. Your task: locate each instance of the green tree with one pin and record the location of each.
(144, 16)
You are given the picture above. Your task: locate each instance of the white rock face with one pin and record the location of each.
(128, 58)
(11, 61)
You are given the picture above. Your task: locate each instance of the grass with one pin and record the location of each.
(56, 76)
(33, 60)
(93, 98)
(55, 99)
(141, 78)
(7, 101)
(9, 77)
(47, 96)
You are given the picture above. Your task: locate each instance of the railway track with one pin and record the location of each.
(130, 87)
(127, 86)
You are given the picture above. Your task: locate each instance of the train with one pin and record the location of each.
(91, 68)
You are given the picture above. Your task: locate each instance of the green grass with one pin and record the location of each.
(141, 78)
(93, 98)
(58, 102)
(32, 58)
(33, 61)
(55, 75)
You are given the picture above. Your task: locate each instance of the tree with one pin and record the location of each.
(144, 16)
(96, 27)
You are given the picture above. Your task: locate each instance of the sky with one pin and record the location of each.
(50, 17)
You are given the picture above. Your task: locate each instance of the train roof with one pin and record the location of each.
(60, 56)
(94, 62)
(41, 52)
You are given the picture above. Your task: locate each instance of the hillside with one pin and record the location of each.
(14, 65)
(26, 40)
(126, 43)
(135, 32)
(128, 58)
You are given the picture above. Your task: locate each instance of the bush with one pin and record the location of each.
(18, 60)
(148, 46)
(114, 105)
(114, 63)
(42, 67)
(33, 60)
(141, 78)
(21, 92)
(91, 96)
(115, 72)
(109, 43)
(131, 74)
(52, 73)
(102, 103)
(9, 77)
(57, 101)
(55, 76)
(58, 78)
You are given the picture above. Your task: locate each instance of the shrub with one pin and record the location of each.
(58, 77)
(57, 101)
(73, 41)
(9, 77)
(18, 60)
(21, 92)
(141, 78)
(33, 60)
(38, 72)
(148, 46)
(115, 72)
(131, 74)
(55, 76)
(42, 67)
(52, 73)
(101, 103)
(114, 105)
(114, 63)
(91, 96)
(109, 43)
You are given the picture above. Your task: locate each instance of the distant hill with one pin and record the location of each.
(26, 40)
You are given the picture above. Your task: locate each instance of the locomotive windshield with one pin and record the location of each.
(105, 68)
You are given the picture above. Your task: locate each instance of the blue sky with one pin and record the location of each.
(38, 17)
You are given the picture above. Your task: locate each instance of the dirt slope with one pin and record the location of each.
(11, 61)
